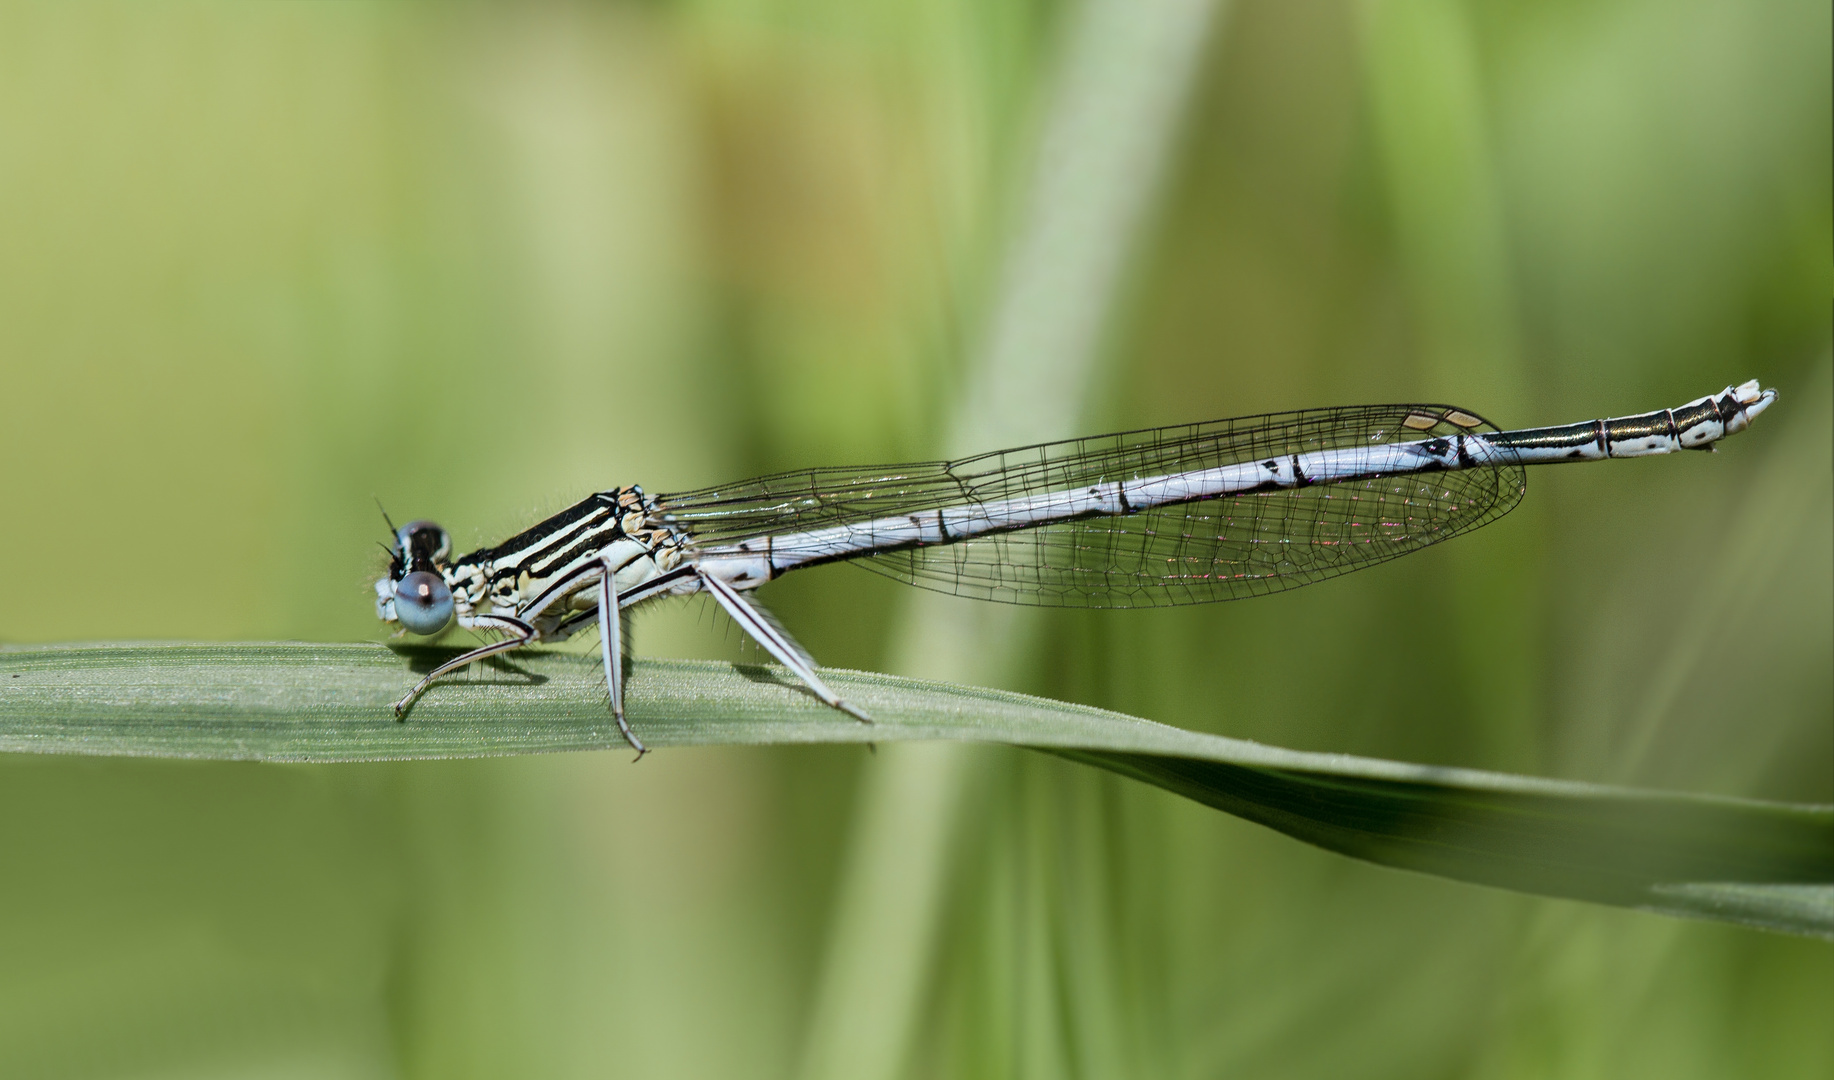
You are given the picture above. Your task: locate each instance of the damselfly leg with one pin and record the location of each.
(521, 634)
(765, 630)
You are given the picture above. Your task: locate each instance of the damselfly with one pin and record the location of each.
(1172, 515)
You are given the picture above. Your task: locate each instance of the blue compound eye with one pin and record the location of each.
(423, 603)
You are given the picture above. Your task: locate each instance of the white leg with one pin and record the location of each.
(524, 633)
(521, 626)
(611, 649)
(763, 629)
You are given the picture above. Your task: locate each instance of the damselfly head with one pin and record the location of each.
(421, 545)
(414, 593)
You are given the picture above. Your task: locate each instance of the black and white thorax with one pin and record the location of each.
(618, 531)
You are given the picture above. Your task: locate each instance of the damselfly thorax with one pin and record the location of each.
(619, 528)
(1188, 514)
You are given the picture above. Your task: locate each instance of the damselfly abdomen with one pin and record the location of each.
(1173, 515)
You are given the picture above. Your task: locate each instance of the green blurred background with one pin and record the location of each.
(260, 263)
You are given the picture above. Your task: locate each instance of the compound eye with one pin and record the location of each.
(423, 603)
(423, 543)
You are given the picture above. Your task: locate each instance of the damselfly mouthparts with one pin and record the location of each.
(1173, 515)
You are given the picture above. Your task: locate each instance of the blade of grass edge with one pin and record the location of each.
(1761, 864)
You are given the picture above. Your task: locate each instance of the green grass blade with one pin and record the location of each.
(1769, 865)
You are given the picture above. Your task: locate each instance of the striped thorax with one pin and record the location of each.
(618, 526)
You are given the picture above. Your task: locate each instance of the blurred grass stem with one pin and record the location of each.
(1124, 75)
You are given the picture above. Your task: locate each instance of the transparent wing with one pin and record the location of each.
(1219, 548)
